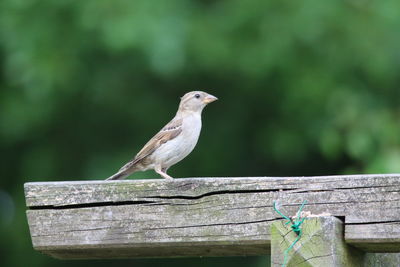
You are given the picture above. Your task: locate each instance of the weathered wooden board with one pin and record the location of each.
(203, 216)
(321, 244)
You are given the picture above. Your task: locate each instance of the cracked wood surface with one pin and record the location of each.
(321, 244)
(203, 216)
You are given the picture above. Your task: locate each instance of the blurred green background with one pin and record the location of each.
(305, 87)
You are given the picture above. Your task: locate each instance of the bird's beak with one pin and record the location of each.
(209, 98)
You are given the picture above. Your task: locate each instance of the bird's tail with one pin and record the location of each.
(125, 171)
(119, 175)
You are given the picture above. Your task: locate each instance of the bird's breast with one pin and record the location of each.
(178, 148)
(191, 127)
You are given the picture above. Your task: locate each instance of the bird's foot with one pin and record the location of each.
(164, 174)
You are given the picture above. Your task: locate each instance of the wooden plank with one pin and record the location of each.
(374, 235)
(320, 244)
(381, 259)
(203, 216)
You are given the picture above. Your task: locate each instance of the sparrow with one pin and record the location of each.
(173, 142)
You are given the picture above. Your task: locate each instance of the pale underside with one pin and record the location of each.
(173, 143)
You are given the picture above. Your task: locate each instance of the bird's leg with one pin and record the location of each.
(163, 172)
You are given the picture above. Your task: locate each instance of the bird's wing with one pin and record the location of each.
(169, 132)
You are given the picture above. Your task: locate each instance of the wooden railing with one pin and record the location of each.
(347, 215)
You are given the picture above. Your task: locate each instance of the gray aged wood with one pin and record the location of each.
(382, 260)
(203, 216)
(321, 244)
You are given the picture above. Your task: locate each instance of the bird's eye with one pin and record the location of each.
(197, 95)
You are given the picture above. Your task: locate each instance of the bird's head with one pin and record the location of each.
(195, 101)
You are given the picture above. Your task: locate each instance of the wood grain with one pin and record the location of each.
(321, 244)
(203, 216)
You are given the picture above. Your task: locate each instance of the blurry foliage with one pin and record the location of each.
(305, 88)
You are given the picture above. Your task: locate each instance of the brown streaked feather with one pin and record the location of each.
(169, 132)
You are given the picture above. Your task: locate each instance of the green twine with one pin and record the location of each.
(295, 227)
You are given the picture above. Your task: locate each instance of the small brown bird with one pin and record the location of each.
(173, 142)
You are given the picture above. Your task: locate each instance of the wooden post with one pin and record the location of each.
(205, 217)
(321, 244)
